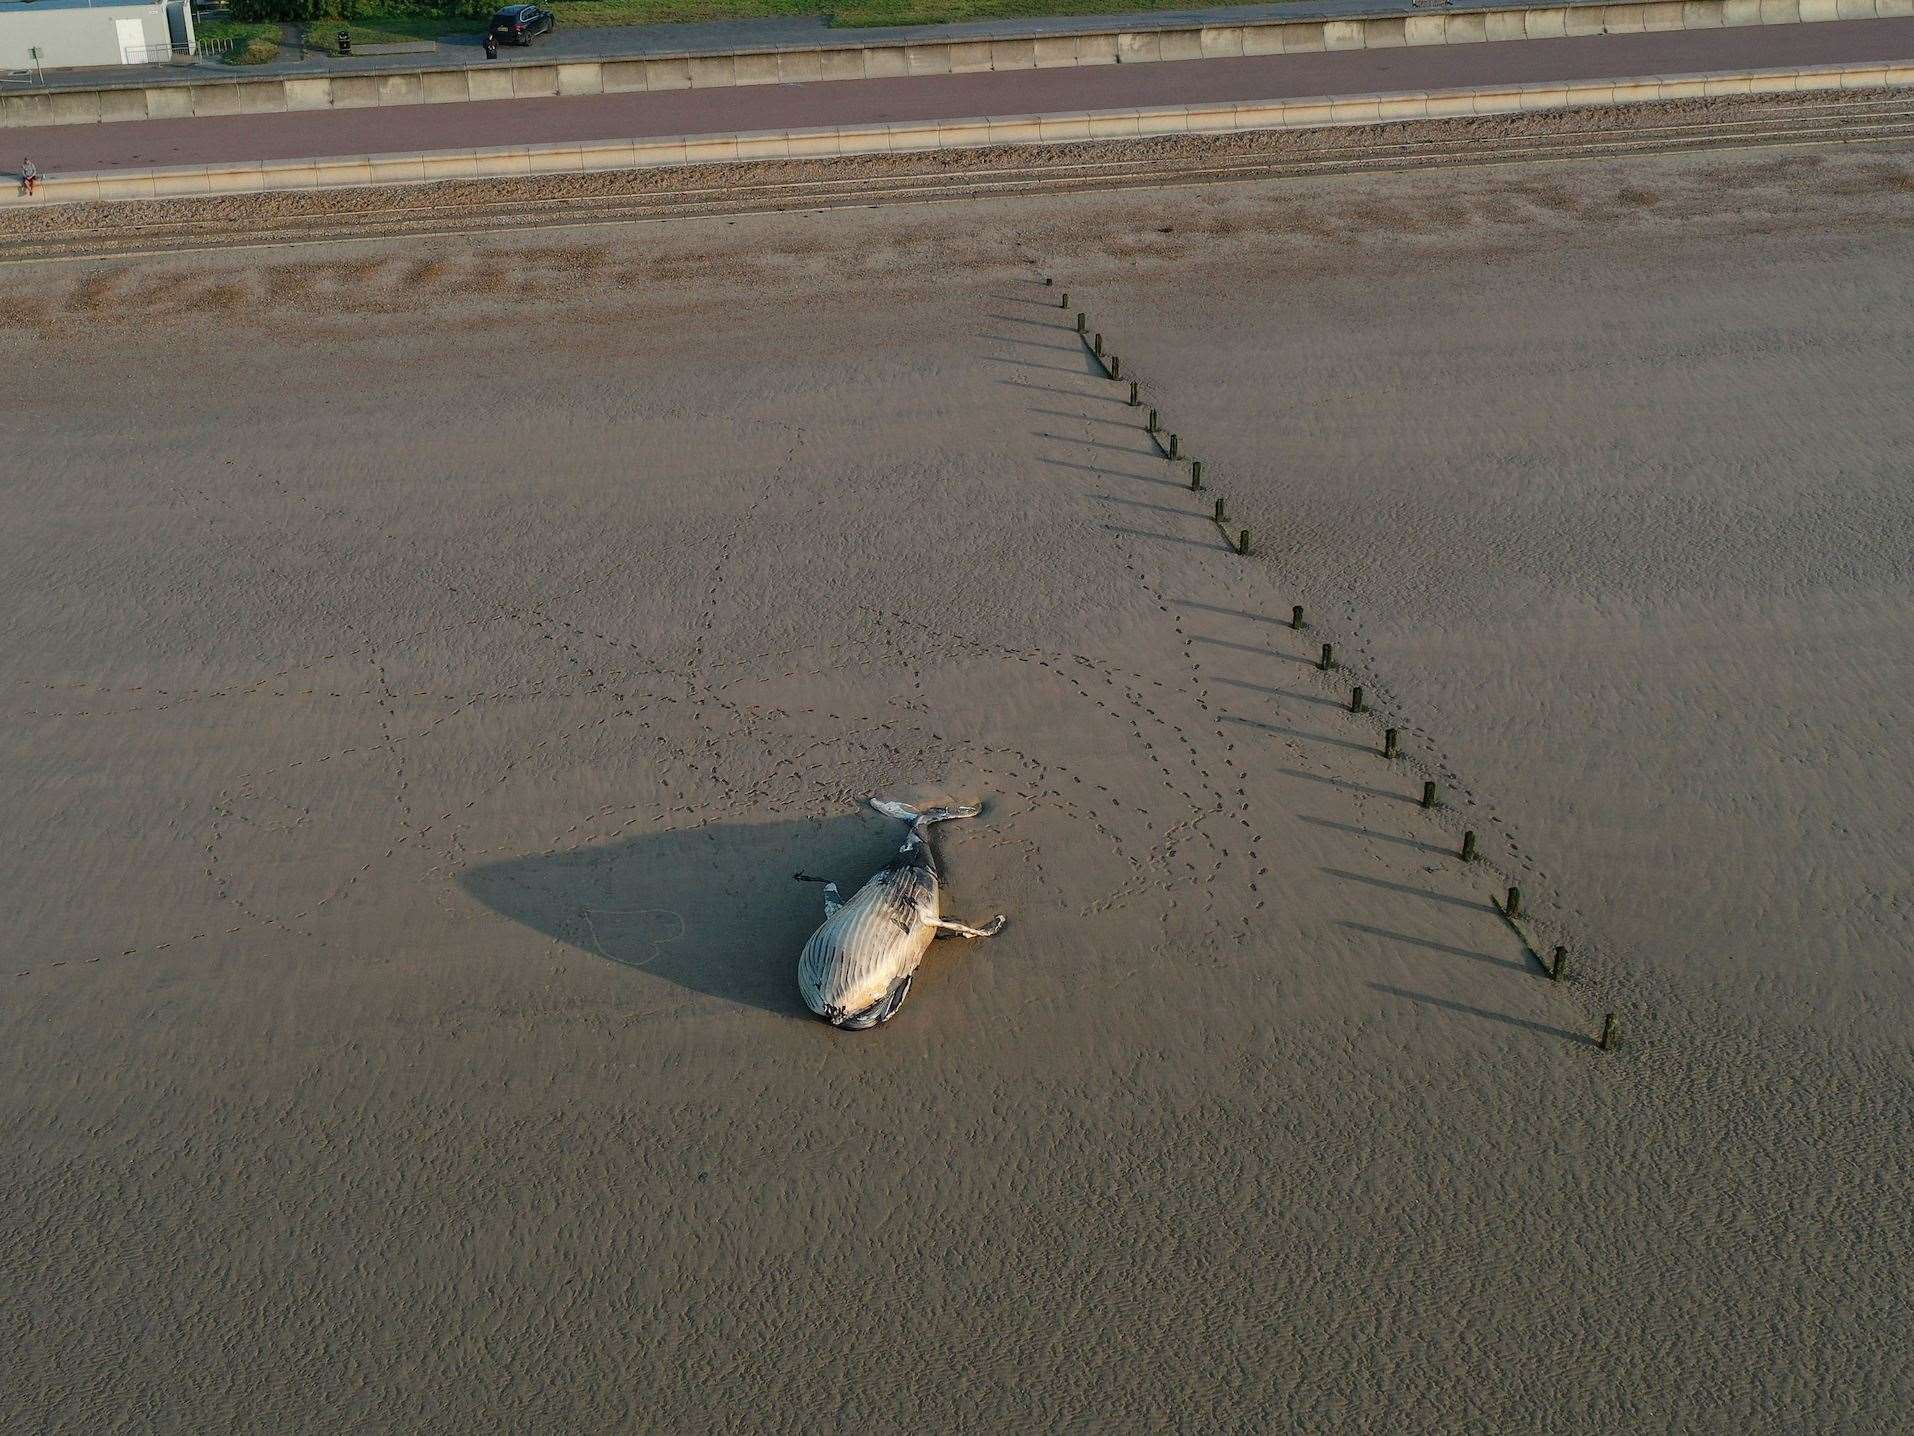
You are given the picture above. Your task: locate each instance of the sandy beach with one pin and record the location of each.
(429, 662)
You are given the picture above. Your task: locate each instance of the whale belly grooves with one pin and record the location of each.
(858, 964)
(856, 970)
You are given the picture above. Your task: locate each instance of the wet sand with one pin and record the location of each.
(430, 663)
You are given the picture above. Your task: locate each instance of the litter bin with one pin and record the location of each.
(345, 42)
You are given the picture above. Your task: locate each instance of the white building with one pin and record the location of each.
(61, 34)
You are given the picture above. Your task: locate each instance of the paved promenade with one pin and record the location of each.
(141, 144)
(605, 42)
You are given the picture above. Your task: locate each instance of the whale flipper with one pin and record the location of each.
(881, 1010)
(960, 929)
(905, 813)
(832, 902)
(894, 999)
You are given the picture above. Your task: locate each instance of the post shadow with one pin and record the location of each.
(1230, 612)
(712, 909)
(1217, 547)
(1407, 891)
(1066, 393)
(1092, 444)
(1361, 832)
(1300, 733)
(1349, 787)
(1154, 508)
(1467, 1011)
(1107, 473)
(1082, 370)
(1118, 421)
(1253, 648)
(1033, 344)
(1285, 693)
(1429, 945)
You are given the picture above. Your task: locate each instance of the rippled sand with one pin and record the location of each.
(428, 665)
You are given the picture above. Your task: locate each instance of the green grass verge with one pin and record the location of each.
(945, 12)
(253, 42)
(387, 30)
(849, 13)
(373, 26)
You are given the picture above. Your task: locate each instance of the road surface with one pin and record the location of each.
(142, 144)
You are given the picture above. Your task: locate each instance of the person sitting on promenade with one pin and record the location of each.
(29, 177)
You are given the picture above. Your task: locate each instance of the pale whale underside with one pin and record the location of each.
(856, 970)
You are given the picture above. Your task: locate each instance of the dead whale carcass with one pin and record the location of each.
(856, 970)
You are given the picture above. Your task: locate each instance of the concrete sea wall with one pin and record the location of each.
(523, 160)
(1143, 45)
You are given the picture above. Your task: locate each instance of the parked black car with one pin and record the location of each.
(517, 24)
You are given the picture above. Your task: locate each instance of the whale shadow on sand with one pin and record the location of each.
(711, 908)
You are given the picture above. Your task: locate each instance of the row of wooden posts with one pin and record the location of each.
(1167, 444)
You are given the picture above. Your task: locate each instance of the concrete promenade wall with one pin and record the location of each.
(505, 81)
(519, 161)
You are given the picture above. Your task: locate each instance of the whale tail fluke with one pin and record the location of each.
(905, 813)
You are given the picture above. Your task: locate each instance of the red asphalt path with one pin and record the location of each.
(145, 143)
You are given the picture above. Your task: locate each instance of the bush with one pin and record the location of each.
(308, 11)
(249, 11)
